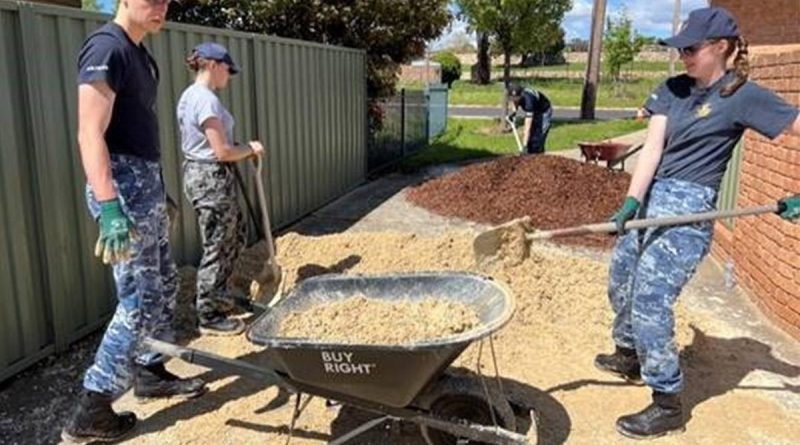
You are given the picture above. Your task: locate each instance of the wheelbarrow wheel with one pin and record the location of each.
(463, 398)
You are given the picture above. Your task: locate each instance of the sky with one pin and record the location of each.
(650, 18)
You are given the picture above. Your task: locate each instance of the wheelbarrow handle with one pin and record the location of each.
(610, 227)
(216, 362)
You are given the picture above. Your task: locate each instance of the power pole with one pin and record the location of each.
(591, 81)
(676, 23)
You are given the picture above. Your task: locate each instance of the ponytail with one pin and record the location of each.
(741, 66)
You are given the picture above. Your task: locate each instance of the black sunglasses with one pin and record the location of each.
(689, 51)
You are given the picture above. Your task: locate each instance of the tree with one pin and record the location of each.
(482, 71)
(108, 6)
(621, 44)
(516, 26)
(545, 48)
(578, 45)
(393, 32)
(90, 5)
(451, 67)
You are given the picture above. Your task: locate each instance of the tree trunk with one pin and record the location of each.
(484, 65)
(506, 66)
(506, 77)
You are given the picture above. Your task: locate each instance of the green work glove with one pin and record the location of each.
(789, 208)
(116, 232)
(628, 210)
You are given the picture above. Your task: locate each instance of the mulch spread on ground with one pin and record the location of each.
(554, 191)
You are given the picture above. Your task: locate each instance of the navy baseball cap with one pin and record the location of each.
(215, 51)
(704, 24)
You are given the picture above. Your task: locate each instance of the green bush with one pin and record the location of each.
(451, 67)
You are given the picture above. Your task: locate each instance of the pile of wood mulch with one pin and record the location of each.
(553, 191)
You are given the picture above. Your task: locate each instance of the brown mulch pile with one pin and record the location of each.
(554, 191)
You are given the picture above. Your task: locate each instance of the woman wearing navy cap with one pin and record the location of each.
(207, 143)
(696, 121)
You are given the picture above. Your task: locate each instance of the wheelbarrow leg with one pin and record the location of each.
(360, 430)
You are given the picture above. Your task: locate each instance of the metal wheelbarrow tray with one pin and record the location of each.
(400, 381)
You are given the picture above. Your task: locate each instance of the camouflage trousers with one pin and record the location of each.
(146, 285)
(648, 270)
(211, 188)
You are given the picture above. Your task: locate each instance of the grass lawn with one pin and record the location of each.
(469, 139)
(562, 92)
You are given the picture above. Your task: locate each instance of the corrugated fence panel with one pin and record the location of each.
(24, 333)
(304, 101)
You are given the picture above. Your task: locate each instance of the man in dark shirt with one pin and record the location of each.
(118, 138)
(537, 113)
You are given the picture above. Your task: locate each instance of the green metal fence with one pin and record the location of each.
(306, 102)
(403, 131)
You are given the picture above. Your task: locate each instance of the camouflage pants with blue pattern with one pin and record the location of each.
(649, 268)
(146, 285)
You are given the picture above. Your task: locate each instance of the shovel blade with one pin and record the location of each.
(266, 286)
(506, 243)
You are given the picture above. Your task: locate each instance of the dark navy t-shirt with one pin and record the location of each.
(110, 56)
(533, 102)
(703, 127)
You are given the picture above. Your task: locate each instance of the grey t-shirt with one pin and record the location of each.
(704, 127)
(196, 105)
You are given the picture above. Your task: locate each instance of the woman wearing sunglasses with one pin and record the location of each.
(696, 121)
(209, 182)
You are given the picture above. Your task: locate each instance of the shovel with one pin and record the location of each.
(510, 241)
(516, 134)
(265, 287)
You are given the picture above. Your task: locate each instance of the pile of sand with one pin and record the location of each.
(363, 320)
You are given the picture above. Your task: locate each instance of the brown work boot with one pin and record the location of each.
(663, 416)
(154, 381)
(95, 421)
(622, 363)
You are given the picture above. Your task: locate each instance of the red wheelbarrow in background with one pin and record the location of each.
(613, 153)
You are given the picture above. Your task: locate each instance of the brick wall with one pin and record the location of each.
(419, 73)
(765, 250)
(766, 22)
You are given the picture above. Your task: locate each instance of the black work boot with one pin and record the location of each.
(622, 363)
(154, 381)
(95, 421)
(221, 325)
(663, 416)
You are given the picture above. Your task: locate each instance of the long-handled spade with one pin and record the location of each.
(516, 134)
(266, 286)
(513, 238)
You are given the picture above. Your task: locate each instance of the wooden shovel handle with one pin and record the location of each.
(610, 227)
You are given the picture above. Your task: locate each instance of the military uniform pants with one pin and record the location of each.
(146, 284)
(211, 188)
(648, 271)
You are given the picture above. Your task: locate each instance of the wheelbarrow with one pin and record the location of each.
(409, 382)
(613, 153)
